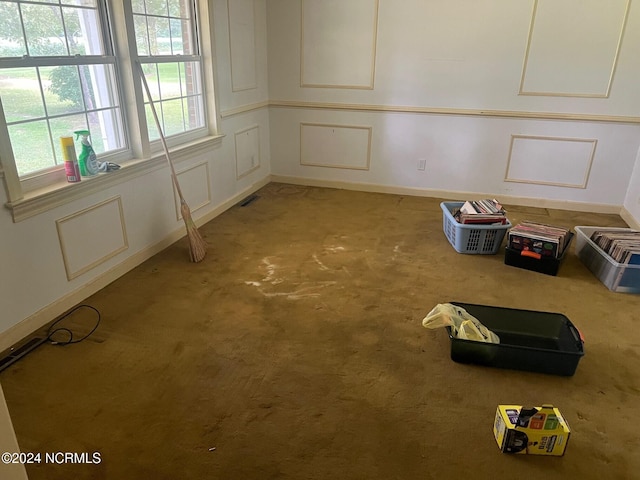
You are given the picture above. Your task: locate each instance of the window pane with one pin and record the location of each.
(44, 37)
(151, 123)
(31, 146)
(167, 32)
(156, 7)
(159, 38)
(178, 8)
(11, 38)
(98, 86)
(173, 117)
(80, 3)
(142, 34)
(180, 37)
(177, 93)
(194, 112)
(21, 96)
(169, 80)
(83, 31)
(106, 130)
(137, 6)
(64, 127)
(151, 74)
(63, 92)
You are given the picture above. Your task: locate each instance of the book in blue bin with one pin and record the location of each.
(623, 246)
(628, 277)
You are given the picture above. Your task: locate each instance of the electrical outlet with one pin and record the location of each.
(422, 163)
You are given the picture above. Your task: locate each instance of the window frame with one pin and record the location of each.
(30, 196)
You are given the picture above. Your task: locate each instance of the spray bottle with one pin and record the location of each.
(87, 159)
(70, 160)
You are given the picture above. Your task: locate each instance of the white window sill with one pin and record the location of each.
(43, 199)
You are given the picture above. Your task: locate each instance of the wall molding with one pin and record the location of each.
(193, 208)
(359, 107)
(450, 194)
(25, 328)
(71, 274)
(587, 172)
(244, 109)
(369, 130)
(628, 218)
(255, 127)
(369, 86)
(607, 92)
(254, 85)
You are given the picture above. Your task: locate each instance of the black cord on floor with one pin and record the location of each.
(52, 331)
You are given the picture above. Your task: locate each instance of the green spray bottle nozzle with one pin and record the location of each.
(84, 134)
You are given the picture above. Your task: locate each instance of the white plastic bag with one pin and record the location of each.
(463, 325)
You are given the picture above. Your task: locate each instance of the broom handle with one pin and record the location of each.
(162, 139)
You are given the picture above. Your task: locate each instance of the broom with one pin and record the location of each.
(197, 245)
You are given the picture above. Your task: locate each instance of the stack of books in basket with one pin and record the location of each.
(481, 212)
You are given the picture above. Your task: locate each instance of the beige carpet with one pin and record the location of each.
(295, 350)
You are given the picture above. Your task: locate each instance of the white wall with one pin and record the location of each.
(448, 86)
(40, 254)
(631, 212)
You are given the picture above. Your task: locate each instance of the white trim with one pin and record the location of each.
(360, 107)
(107, 255)
(587, 172)
(450, 194)
(607, 92)
(244, 108)
(629, 219)
(26, 327)
(192, 207)
(254, 85)
(235, 149)
(372, 77)
(369, 129)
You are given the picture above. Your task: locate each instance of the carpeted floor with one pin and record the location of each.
(295, 350)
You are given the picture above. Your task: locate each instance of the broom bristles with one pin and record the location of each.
(197, 245)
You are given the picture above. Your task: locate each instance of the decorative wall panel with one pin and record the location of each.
(92, 236)
(338, 146)
(573, 46)
(338, 43)
(557, 161)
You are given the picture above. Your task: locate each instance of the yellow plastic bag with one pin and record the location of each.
(463, 325)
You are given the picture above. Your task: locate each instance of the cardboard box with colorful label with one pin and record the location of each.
(537, 431)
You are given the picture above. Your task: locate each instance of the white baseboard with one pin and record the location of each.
(629, 219)
(28, 326)
(451, 194)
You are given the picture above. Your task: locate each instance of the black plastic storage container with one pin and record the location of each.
(531, 261)
(529, 340)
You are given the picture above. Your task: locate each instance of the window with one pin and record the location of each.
(168, 52)
(68, 65)
(57, 75)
